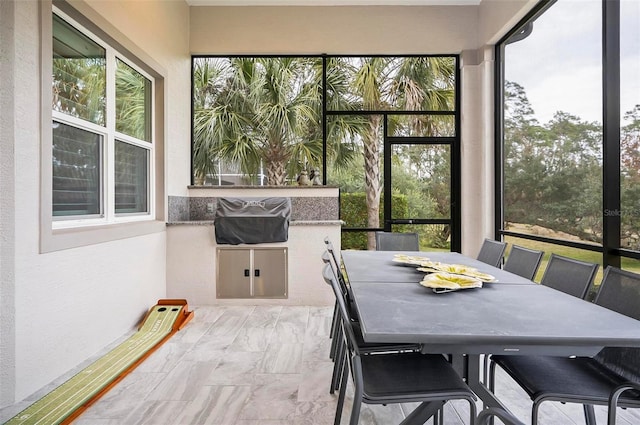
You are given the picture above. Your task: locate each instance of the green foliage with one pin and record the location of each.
(553, 171)
(256, 111)
(353, 211)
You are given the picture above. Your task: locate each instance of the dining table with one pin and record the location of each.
(509, 315)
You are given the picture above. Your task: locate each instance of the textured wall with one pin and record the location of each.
(333, 30)
(61, 307)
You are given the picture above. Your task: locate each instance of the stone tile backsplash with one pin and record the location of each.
(182, 208)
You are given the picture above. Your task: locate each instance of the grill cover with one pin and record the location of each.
(252, 220)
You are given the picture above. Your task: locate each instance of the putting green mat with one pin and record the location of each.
(67, 401)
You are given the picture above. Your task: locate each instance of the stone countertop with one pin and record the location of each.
(291, 223)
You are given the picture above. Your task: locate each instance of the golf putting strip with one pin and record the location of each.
(75, 393)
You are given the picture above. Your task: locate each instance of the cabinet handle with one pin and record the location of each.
(247, 273)
(257, 273)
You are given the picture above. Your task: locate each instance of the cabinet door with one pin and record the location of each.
(270, 273)
(234, 273)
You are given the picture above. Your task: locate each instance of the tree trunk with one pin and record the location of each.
(372, 177)
(276, 158)
(276, 173)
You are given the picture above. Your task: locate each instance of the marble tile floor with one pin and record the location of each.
(262, 365)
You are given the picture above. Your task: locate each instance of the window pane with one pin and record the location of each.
(133, 102)
(391, 83)
(355, 165)
(76, 171)
(79, 74)
(421, 181)
(552, 124)
(131, 178)
(432, 237)
(631, 264)
(261, 116)
(422, 126)
(630, 125)
(548, 249)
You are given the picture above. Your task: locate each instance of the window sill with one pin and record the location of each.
(67, 238)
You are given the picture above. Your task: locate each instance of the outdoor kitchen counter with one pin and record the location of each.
(192, 250)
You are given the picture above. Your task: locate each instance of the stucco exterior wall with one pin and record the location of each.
(61, 307)
(333, 30)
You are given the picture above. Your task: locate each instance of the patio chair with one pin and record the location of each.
(485, 417)
(333, 253)
(336, 265)
(326, 259)
(610, 378)
(329, 275)
(390, 241)
(523, 261)
(491, 252)
(568, 275)
(564, 274)
(393, 376)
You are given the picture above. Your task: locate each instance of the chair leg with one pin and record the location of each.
(492, 376)
(472, 411)
(358, 386)
(333, 319)
(485, 369)
(355, 411)
(589, 414)
(337, 366)
(341, 397)
(335, 327)
(534, 413)
(342, 366)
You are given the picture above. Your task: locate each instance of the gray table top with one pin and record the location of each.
(498, 318)
(372, 266)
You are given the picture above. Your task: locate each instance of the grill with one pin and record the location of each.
(252, 220)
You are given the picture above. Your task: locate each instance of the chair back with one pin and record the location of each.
(336, 261)
(571, 276)
(491, 252)
(620, 292)
(346, 322)
(523, 261)
(332, 251)
(390, 241)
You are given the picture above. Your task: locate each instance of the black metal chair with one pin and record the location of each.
(485, 417)
(390, 241)
(326, 259)
(393, 376)
(610, 378)
(523, 261)
(491, 252)
(338, 348)
(331, 257)
(568, 275)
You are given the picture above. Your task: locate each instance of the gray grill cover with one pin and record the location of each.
(252, 220)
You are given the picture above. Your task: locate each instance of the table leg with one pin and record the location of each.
(473, 380)
(422, 413)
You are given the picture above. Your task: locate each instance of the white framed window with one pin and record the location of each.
(103, 141)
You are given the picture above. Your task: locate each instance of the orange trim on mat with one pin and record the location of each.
(183, 318)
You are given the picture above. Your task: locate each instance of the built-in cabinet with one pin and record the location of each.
(251, 272)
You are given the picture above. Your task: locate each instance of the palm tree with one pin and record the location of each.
(254, 111)
(384, 83)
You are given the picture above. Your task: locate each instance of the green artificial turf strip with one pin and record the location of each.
(60, 403)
